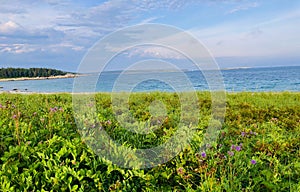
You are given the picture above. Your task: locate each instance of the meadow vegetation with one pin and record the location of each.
(257, 149)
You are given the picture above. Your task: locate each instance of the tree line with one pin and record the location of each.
(31, 72)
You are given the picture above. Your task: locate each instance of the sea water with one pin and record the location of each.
(233, 80)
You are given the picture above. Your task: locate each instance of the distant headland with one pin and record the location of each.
(21, 74)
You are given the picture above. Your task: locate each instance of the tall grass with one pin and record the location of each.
(258, 148)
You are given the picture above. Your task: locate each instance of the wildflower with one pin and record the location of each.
(180, 170)
(1, 106)
(61, 109)
(238, 148)
(252, 133)
(253, 162)
(108, 122)
(14, 116)
(232, 147)
(223, 156)
(34, 114)
(90, 105)
(243, 134)
(54, 109)
(230, 153)
(203, 154)
(274, 119)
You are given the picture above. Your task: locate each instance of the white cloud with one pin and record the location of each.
(63, 46)
(65, 26)
(149, 20)
(278, 37)
(291, 15)
(10, 27)
(80, 23)
(166, 4)
(17, 48)
(243, 7)
(154, 51)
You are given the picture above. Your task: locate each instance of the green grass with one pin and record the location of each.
(41, 149)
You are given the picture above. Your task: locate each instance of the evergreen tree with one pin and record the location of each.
(32, 72)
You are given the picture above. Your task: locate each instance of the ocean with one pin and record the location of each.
(266, 79)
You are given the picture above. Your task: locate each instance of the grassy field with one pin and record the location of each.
(257, 149)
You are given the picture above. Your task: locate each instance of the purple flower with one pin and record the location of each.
(230, 153)
(232, 147)
(108, 122)
(253, 162)
(54, 109)
(238, 148)
(1, 106)
(203, 154)
(14, 116)
(243, 134)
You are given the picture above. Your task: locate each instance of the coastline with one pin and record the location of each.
(39, 78)
(93, 93)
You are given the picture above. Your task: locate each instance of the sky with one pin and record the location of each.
(237, 33)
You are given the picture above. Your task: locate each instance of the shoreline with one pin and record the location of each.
(92, 93)
(40, 78)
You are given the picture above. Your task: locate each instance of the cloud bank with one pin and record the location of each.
(59, 32)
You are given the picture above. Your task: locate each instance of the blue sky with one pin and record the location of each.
(58, 33)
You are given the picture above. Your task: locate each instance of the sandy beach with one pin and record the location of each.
(39, 78)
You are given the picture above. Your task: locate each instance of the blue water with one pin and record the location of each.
(235, 80)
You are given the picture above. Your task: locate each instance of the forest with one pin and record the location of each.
(31, 72)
